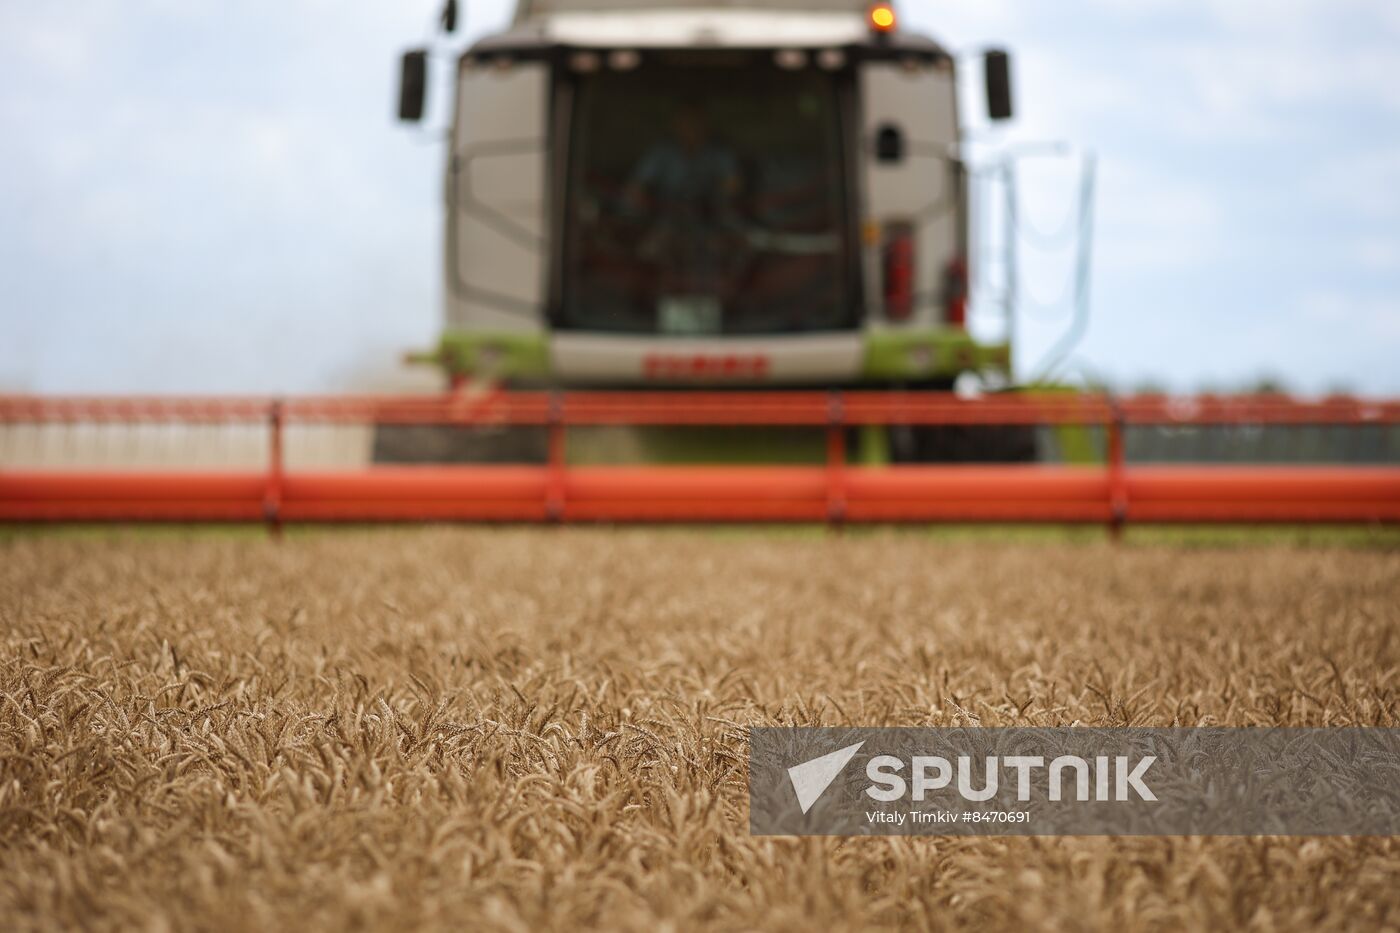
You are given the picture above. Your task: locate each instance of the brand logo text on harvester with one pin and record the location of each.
(1068, 776)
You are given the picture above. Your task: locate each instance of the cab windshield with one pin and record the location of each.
(707, 195)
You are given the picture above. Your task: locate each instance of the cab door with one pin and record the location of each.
(914, 217)
(497, 238)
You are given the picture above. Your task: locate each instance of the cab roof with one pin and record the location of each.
(667, 24)
(532, 9)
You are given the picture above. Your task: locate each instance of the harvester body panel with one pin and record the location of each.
(662, 194)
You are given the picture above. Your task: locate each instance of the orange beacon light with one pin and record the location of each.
(882, 18)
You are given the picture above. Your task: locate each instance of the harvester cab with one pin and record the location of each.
(669, 193)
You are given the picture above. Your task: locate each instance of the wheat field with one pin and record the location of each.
(525, 729)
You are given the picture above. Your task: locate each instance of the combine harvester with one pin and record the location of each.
(741, 232)
(646, 195)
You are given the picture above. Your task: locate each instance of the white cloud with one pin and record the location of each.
(1364, 182)
(1369, 318)
(1377, 253)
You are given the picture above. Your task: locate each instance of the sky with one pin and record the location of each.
(215, 197)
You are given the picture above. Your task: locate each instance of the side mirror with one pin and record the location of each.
(998, 73)
(413, 85)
